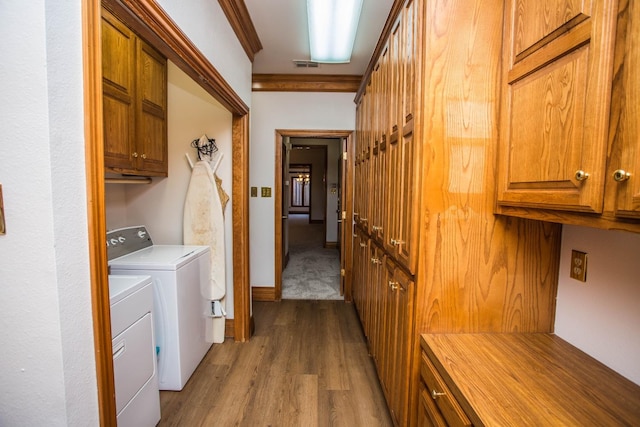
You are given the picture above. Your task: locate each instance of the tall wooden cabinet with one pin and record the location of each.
(426, 144)
(134, 79)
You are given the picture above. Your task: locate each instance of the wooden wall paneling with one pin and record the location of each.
(477, 272)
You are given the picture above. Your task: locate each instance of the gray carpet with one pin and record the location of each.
(313, 272)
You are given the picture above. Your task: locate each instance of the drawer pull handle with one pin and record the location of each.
(393, 285)
(435, 394)
(621, 175)
(363, 245)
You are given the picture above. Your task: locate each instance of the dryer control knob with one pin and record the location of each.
(142, 234)
(114, 241)
(121, 239)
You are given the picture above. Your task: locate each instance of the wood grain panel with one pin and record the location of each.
(623, 198)
(305, 82)
(556, 100)
(539, 379)
(263, 293)
(536, 22)
(240, 215)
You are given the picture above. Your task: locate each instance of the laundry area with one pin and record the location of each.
(172, 231)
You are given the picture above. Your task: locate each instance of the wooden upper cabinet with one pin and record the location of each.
(134, 102)
(152, 98)
(623, 172)
(118, 70)
(555, 108)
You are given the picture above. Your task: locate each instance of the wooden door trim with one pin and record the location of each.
(280, 134)
(153, 24)
(96, 213)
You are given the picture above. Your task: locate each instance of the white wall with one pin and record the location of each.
(602, 315)
(160, 205)
(48, 367)
(204, 22)
(283, 110)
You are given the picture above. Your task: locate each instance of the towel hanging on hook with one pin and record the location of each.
(205, 147)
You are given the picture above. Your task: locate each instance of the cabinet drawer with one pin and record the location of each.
(429, 413)
(439, 392)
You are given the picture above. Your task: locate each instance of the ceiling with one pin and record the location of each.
(282, 28)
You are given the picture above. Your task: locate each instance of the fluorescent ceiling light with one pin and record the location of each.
(332, 29)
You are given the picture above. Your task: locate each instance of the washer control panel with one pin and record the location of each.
(123, 241)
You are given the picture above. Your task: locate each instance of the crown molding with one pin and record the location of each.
(151, 22)
(305, 83)
(238, 16)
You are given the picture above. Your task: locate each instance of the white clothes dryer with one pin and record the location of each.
(177, 273)
(134, 351)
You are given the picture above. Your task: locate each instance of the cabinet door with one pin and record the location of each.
(152, 108)
(118, 88)
(557, 71)
(624, 164)
(401, 296)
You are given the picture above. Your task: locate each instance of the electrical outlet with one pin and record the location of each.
(578, 265)
(265, 191)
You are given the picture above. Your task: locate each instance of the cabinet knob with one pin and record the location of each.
(375, 260)
(144, 156)
(581, 175)
(393, 285)
(363, 245)
(135, 155)
(435, 394)
(621, 175)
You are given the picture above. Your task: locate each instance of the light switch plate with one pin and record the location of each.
(266, 191)
(254, 191)
(578, 265)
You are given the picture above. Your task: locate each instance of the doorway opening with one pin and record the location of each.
(312, 253)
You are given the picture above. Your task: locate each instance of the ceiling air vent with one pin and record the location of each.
(305, 64)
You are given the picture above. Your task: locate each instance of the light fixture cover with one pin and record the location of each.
(332, 29)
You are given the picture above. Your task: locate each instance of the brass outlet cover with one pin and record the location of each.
(266, 191)
(578, 266)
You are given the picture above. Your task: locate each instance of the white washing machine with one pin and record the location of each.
(177, 273)
(134, 351)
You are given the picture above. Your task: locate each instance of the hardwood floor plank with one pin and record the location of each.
(306, 365)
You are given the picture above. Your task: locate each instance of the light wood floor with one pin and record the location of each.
(306, 365)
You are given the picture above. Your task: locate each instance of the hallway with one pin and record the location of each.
(313, 271)
(306, 365)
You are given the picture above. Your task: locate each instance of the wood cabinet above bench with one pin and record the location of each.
(570, 143)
